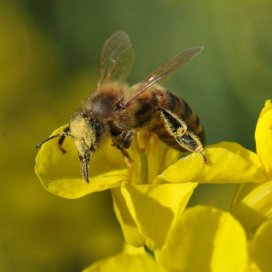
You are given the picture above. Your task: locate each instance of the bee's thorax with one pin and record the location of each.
(102, 103)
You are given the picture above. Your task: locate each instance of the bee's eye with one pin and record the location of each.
(119, 105)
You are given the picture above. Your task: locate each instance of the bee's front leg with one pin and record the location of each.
(178, 130)
(123, 141)
(62, 138)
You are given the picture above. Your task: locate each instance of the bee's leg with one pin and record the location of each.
(173, 124)
(123, 141)
(62, 138)
(191, 142)
(178, 129)
(60, 144)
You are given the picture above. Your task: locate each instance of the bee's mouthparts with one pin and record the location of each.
(84, 162)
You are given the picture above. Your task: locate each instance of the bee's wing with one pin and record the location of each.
(116, 58)
(165, 70)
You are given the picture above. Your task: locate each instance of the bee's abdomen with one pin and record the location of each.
(182, 110)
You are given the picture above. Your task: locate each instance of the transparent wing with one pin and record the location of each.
(116, 58)
(165, 70)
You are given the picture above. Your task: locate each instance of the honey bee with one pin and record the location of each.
(118, 111)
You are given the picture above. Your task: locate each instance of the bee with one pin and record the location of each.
(118, 111)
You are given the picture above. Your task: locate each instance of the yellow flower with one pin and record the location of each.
(202, 239)
(151, 188)
(205, 239)
(260, 247)
(144, 209)
(129, 260)
(252, 204)
(59, 173)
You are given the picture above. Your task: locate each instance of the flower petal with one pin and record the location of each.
(263, 136)
(60, 173)
(252, 204)
(127, 261)
(227, 163)
(261, 247)
(253, 267)
(127, 223)
(149, 157)
(205, 239)
(154, 207)
(160, 156)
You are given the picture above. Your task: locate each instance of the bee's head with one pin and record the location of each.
(87, 133)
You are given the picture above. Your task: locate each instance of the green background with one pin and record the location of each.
(48, 62)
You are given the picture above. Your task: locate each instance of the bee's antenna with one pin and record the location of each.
(48, 139)
(62, 134)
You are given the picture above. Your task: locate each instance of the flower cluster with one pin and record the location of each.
(202, 239)
(253, 201)
(150, 193)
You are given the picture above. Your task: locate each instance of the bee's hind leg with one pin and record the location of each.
(191, 142)
(178, 130)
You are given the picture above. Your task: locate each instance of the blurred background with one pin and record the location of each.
(49, 52)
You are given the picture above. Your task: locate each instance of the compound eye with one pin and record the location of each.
(120, 105)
